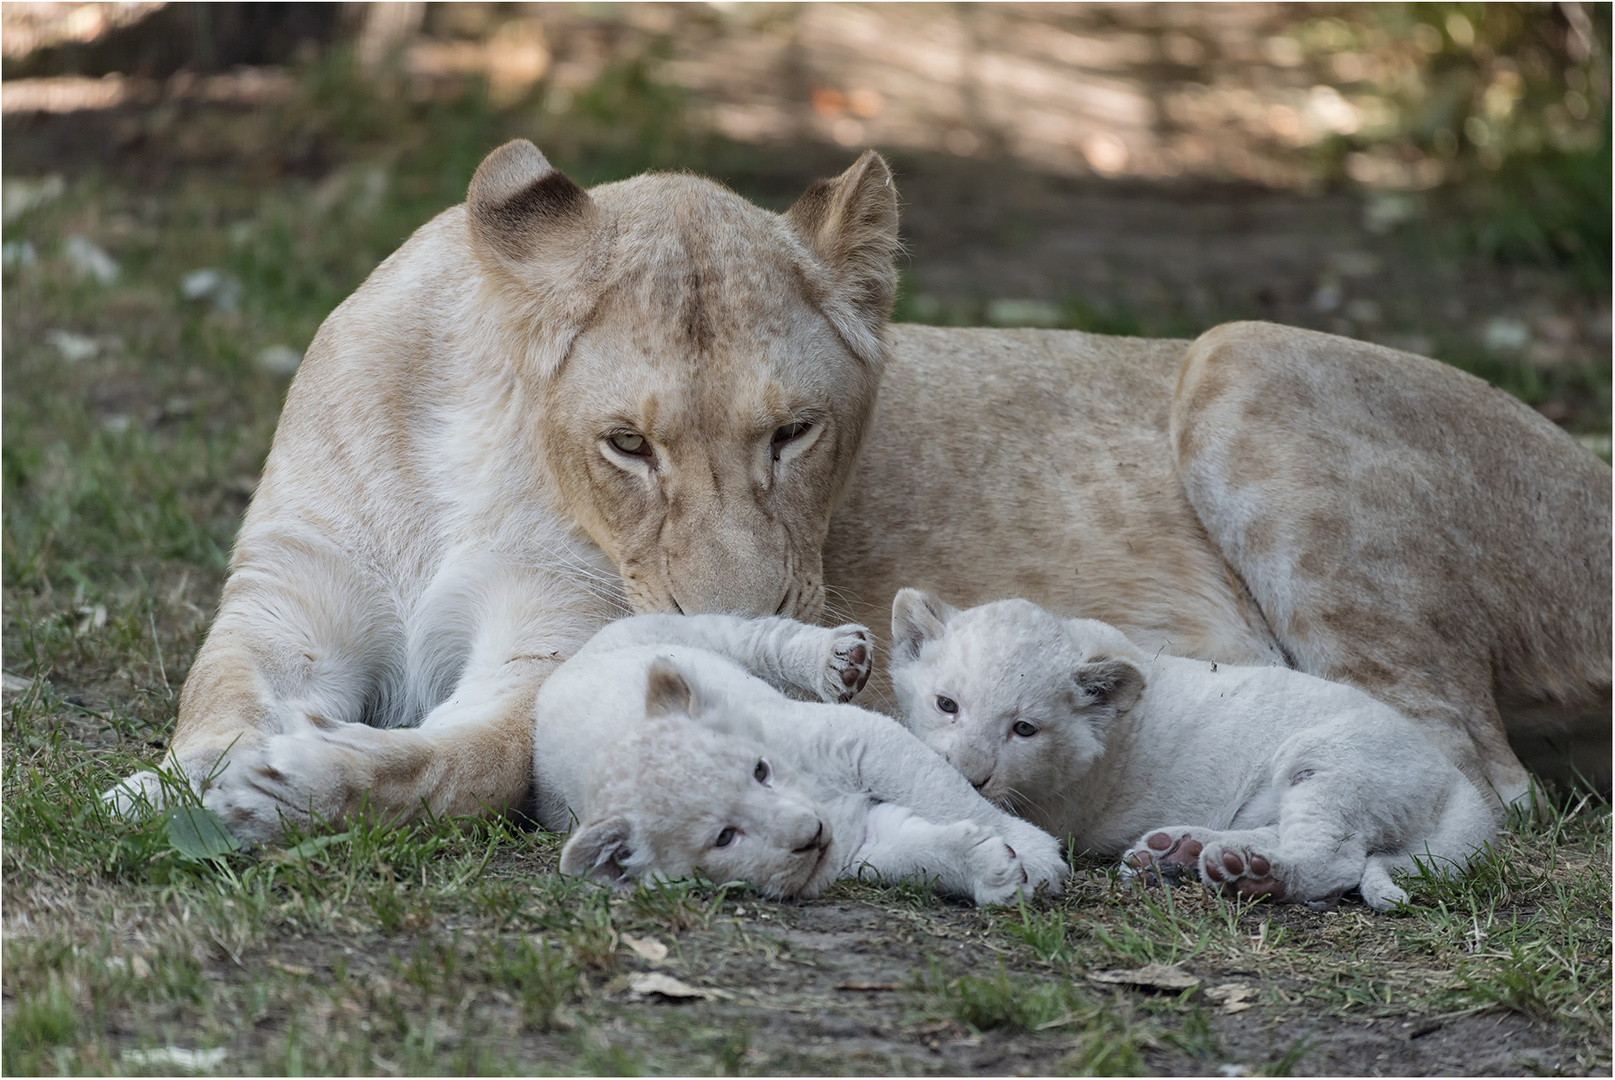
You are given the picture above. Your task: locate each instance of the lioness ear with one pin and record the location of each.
(536, 230)
(1110, 682)
(850, 225)
(599, 851)
(668, 692)
(917, 617)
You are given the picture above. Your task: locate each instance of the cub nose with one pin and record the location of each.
(813, 844)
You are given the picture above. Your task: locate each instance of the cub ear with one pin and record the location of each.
(536, 230)
(599, 851)
(668, 692)
(917, 617)
(849, 223)
(1110, 682)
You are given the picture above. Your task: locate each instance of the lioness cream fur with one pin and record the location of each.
(663, 740)
(1270, 781)
(552, 407)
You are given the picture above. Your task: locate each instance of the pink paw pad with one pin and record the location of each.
(1164, 858)
(1249, 877)
(850, 663)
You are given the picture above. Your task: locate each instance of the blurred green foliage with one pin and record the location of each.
(1508, 104)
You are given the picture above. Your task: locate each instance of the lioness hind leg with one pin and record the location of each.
(1344, 482)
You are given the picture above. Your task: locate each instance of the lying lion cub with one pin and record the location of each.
(1289, 786)
(663, 739)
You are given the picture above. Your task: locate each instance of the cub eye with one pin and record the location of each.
(947, 704)
(761, 772)
(631, 443)
(1023, 729)
(786, 433)
(725, 837)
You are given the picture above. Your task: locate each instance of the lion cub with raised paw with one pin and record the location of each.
(1288, 787)
(668, 741)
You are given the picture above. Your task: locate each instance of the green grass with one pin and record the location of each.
(454, 946)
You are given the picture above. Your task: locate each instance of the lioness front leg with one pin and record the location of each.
(308, 646)
(472, 755)
(832, 664)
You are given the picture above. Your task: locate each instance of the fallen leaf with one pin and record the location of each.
(15, 684)
(177, 1057)
(290, 969)
(646, 948)
(1151, 976)
(643, 986)
(1235, 997)
(869, 986)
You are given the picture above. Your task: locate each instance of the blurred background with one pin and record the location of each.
(190, 188)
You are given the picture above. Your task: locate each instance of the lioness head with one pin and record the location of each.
(1016, 699)
(692, 788)
(707, 367)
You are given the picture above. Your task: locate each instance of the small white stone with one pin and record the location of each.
(73, 347)
(1011, 312)
(21, 194)
(279, 360)
(89, 261)
(16, 254)
(213, 284)
(1503, 335)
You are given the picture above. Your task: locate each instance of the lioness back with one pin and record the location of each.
(1083, 520)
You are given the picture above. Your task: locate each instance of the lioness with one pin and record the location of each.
(1267, 781)
(668, 742)
(552, 407)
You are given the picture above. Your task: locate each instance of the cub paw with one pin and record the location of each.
(997, 874)
(1168, 856)
(1042, 857)
(847, 663)
(1236, 870)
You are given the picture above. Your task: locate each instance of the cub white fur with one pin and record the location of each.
(664, 745)
(1268, 781)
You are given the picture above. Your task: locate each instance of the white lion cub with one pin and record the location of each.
(662, 740)
(1287, 786)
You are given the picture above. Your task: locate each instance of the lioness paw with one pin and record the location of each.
(847, 664)
(136, 794)
(283, 780)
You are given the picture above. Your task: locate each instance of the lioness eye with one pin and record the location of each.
(1023, 729)
(947, 704)
(761, 772)
(631, 443)
(785, 433)
(725, 837)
